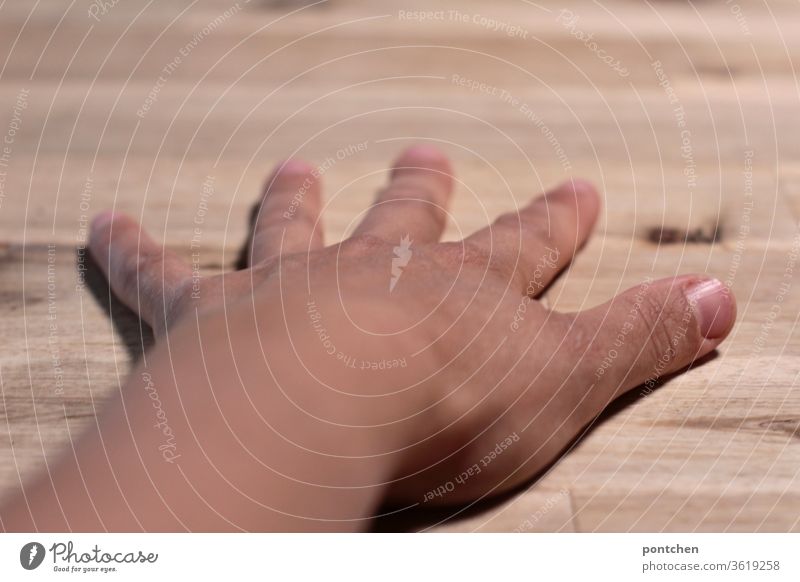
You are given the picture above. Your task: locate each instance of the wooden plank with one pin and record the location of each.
(714, 449)
(568, 126)
(708, 39)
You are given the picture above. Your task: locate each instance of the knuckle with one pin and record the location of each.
(510, 268)
(127, 275)
(421, 199)
(362, 244)
(135, 266)
(540, 233)
(475, 256)
(529, 231)
(149, 260)
(657, 317)
(578, 336)
(464, 252)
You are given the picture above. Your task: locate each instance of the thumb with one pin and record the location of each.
(653, 330)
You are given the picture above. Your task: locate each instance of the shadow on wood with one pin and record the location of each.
(135, 334)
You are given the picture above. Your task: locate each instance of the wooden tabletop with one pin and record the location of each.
(685, 115)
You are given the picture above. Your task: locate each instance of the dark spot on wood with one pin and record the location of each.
(665, 235)
(718, 71)
(787, 426)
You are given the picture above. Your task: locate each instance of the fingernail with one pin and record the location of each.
(425, 157)
(102, 220)
(714, 307)
(426, 152)
(294, 168)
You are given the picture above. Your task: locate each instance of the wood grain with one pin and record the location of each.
(103, 125)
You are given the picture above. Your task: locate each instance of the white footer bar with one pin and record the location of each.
(401, 557)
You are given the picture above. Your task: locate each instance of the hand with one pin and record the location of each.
(481, 361)
(390, 366)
